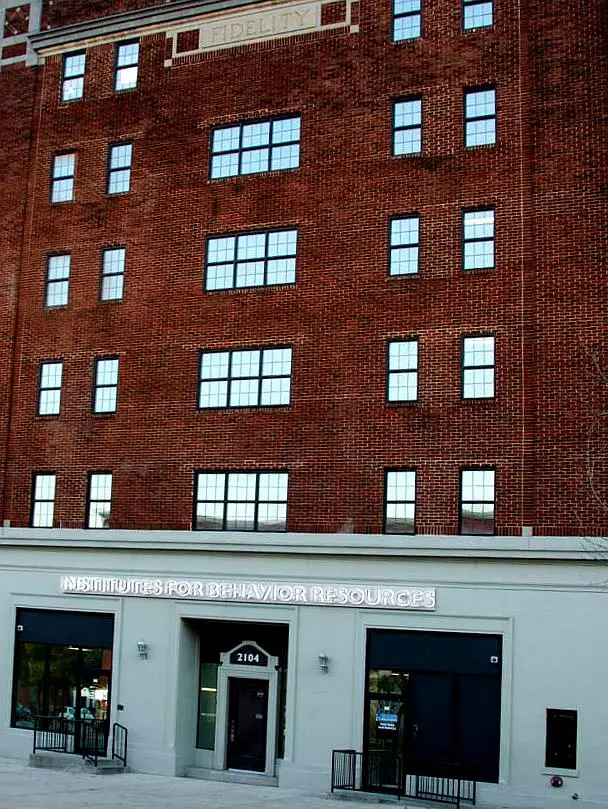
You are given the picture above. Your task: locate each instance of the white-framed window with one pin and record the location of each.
(57, 285)
(105, 388)
(480, 116)
(402, 381)
(477, 14)
(43, 500)
(119, 168)
(251, 377)
(478, 239)
(62, 177)
(477, 500)
(407, 126)
(240, 501)
(127, 65)
(404, 245)
(263, 258)
(49, 388)
(407, 19)
(99, 500)
(272, 144)
(400, 501)
(72, 83)
(113, 261)
(478, 367)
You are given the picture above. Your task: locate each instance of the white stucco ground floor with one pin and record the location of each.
(264, 653)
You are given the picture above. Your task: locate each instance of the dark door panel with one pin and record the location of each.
(247, 724)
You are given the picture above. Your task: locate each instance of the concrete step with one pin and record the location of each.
(45, 759)
(233, 776)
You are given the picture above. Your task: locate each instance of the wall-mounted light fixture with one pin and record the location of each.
(323, 663)
(142, 649)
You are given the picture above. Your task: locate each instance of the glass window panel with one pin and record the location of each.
(478, 255)
(285, 130)
(114, 260)
(57, 293)
(272, 517)
(403, 387)
(44, 488)
(480, 103)
(107, 372)
(403, 355)
(245, 363)
(409, 27)
(74, 65)
(477, 15)
(478, 384)
(210, 516)
(273, 486)
(105, 400)
(256, 135)
(482, 132)
(240, 516)
(126, 78)
(241, 486)
(478, 351)
(405, 231)
(254, 161)
(50, 403)
(276, 362)
(281, 271)
(400, 518)
(211, 486)
(72, 89)
(285, 157)
(250, 274)
(63, 165)
(112, 288)
(99, 515)
(213, 394)
(221, 249)
(244, 393)
(251, 246)
(404, 261)
(120, 156)
(408, 141)
(101, 487)
(43, 515)
(219, 276)
(408, 113)
(282, 243)
(275, 391)
(128, 54)
(226, 139)
(224, 165)
(406, 6)
(51, 374)
(214, 365)
(58, 267)
(207, 707)
(120, 181)
(63, 190)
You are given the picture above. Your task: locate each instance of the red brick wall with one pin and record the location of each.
(339, 433)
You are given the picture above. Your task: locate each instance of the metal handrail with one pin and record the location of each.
(59, 734)
(391, 773)
(120, 738)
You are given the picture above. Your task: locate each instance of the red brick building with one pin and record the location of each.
(352, 251)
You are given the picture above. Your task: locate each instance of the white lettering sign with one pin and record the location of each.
(336, 595)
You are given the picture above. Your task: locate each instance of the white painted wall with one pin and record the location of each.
(551, 611)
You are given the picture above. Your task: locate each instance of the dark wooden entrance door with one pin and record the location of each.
(247, 724)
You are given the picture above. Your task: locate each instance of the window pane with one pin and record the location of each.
(477, 15)
(478, 384)
(275, 391)
(63, 190)
(285, 157)
(478, 255)
(215, 365)
(404, 261)
(112, 288)
(221, 250)
(282, 243)
(286, 130)
(403, 387)
(408, 113)
(57, 293)
(272, 517)
(251, 246)
(44, 488)
(254, 161)
(213, 394)
(105, 400)
(244, 393)
(408, 141)
(107, 372)
(407, 27)
(250, 274)
(72, 89)
(120, 156)
(225, 165)
(120, 181)
(403, 355)
(128, 54)
(211, 486)
(400, 518)
(276, 362)
(226, 139)
(58, 267)
(256, 135)
(245, 363)
(273, 486)
(478, 351)
(51, 373)
(482, 132)
(240, 516)
(241, 486)
(210, 516)
(101, 487)
(281, 271)
(74, 65)
(63, 165)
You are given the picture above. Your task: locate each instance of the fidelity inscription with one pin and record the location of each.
(263, 25)
(338, 595)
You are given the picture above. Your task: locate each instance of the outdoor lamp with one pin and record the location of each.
(142, 649)
(323, 663)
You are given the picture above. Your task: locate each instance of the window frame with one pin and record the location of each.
(118, 67)
(64, 280)
(238, 234)
(40, 390)
(406, 100)
(465, 4)
(388, 471)
(96, 386)
(241, 124)
(481, 468)
(465, 241)
(89, 501)
(229, 379)
(33, 501)
(395, 17)
(416, 371)
(63, 177)
(225, 502)
(391, 247)
(464, 368)
(104, 275)
(110, 171)
(479, 88)
(65, 79)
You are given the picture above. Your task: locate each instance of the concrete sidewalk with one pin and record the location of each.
(24, 787)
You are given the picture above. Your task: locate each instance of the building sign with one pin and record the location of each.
(274, 22)
(336, 595)
(248, 655)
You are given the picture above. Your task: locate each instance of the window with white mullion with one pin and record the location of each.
(477, 501)
(245, 378)
(478, 239)
(99, 500)
(105, 392)
(57, 280)
(241, 501)
(112, 273)
(402, 383)
(400, 501)
(478, 364)
(404, 238)
(251, 259)
(72, 84)
(49, 388)
(43, 500)
(407, 126)
(62, 177)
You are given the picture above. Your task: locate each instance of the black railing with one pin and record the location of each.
(120, 737)
(443, 782)
(58, 734)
